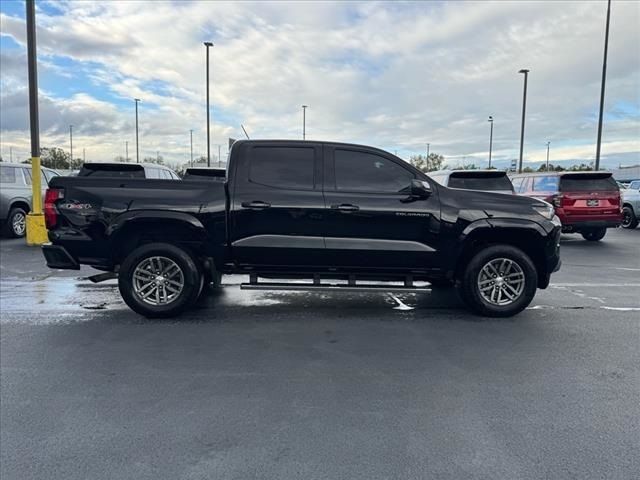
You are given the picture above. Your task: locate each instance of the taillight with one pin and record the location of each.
(50, 210)
(557, 201)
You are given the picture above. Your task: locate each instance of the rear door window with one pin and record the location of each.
(282, 167)
(367, 172)
(588, 184)
(517, 184)
(480, 182)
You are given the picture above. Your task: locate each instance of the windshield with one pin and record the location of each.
(111, 171)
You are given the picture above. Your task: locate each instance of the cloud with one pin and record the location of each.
(395, 75)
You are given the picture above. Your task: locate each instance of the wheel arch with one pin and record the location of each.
(526, 235)
(133, 229)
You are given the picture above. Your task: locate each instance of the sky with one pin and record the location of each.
(394, 75)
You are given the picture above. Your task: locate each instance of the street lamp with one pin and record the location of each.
(428, 144)
(137, 148)
(191, 145)
(304, 122)
(207, 45)
(71, 141)
(490, 139)
(604, 77)
(126, 151)
(547, 168)
(524, 108)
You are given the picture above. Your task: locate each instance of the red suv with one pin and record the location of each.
(586, 202)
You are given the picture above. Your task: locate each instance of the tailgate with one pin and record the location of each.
(589, 194)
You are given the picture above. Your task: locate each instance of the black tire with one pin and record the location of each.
(469, 287)
(192, 280)
(629, 219)
(14, 227)
(594, 234)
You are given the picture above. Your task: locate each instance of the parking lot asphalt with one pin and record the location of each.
(276, 385)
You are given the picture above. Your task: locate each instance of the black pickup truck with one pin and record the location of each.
(345, 217)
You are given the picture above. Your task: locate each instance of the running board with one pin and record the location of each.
(328, 287)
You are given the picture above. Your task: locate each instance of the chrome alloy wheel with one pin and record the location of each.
(19, 224)
(501, 281)
(158, 280)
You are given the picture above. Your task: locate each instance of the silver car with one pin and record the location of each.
(15, 195)
(631, 205)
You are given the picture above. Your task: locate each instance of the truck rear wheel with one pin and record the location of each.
(159, 280)
(499, 281)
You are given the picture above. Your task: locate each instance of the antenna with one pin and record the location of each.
(245, 132)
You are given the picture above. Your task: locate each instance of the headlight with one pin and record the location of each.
(545, 209)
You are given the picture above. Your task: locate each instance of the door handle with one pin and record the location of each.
(257, 204)
(346, 207)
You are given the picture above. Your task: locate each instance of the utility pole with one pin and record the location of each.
(126, 151)
(604, 77)
(137, 147)
(36, 230)
(11, 154)
(547, 167)
(207, 45)
(428, 145)
(524, 108)
(219, 159)
(71, 141)
(84, 155)
(191, 144)
(490, 139)
(304, 122)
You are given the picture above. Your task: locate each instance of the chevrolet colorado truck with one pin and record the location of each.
(342, 217)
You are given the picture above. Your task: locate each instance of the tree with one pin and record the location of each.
(431, 164)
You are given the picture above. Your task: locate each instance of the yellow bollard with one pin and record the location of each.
(36, 229)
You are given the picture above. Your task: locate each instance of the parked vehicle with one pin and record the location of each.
(335, 214)
(16, 196)
(586, 202)
(205, 173)
(495, 181)
(127, 170)
(631, 205)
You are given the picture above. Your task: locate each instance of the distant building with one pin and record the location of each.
(626, 174)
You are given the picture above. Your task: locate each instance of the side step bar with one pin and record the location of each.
(329, 287)
(317, 285)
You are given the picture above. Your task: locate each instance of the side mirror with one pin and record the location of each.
(420, 189)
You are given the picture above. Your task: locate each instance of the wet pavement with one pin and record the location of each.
(327, 385)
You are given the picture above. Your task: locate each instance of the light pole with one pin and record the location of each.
(71, 141)
(219, 159)
(304, 122)
(207, 45)
(524, 108)
(84, 155)
(126, 151)
(137, 148)
(191, 145)
(490, 139)
(428, 145)
(36, 230)
(547, 167)
(11, 154)
(604, 77)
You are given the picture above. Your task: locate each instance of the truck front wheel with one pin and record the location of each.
(159, 280)
(499, 281)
